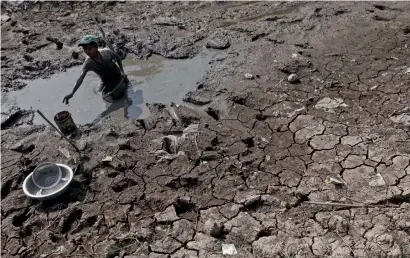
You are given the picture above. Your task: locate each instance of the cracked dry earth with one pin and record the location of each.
(252, 166)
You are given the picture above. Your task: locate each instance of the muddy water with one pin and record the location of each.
(154, 80)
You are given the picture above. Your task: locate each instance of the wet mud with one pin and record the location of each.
(314, 167)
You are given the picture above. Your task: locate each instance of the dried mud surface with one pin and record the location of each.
(256, 168)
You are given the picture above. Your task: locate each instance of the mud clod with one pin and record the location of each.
(217, 44)
(15, 117)
(59, 45)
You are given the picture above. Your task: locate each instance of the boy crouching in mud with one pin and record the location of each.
(107, 65)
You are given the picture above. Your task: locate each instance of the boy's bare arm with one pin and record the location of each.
(77, 85)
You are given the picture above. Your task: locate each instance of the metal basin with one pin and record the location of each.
(32, 191)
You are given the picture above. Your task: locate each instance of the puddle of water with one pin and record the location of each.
(154, 80)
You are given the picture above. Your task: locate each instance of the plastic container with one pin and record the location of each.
(65, 122)
(46, 175)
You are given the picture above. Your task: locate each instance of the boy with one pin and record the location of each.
(103, 62)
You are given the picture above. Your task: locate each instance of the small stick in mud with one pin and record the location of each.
(359, 205)
(55, 128)
(85, 249)
(50, 223)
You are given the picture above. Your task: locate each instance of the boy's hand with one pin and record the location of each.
(67, 98)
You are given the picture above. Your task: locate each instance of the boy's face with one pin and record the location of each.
(90, 50)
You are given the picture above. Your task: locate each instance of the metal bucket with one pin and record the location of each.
(65, 122)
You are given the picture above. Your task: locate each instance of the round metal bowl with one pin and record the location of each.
(32, 191)
(46, 175)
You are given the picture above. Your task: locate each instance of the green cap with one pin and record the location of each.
(87, 39)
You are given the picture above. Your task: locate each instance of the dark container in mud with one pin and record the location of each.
(65, 122)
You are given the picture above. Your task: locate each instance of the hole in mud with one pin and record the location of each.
(249, 142)
(54, 237)
(27, 170)
(301, 198)
(189, 181)
(184, 205)
(25, 231)
(70, 219)
(260, 117)
(88, 222)
(219, 231)
(396, 200)
(213, 113)
(113, 174)
(263, 233)
(174, 184)
(244, 154)
(253, 205)
(6, 188)
(380, 7)
(123, 184)
(18, 220)
(215, 141)
(241, 100)
(156, 80)
(169, 145)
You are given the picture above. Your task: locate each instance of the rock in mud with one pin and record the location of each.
(5, 18)
(328, 104)
(21, 29)
(293, 78)
(218, 44)
(249, 76)
(219, 40)
(187, 116)
(210, 155)
(23, 147)
(194, 98)
(169, 215)
(401, 117)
